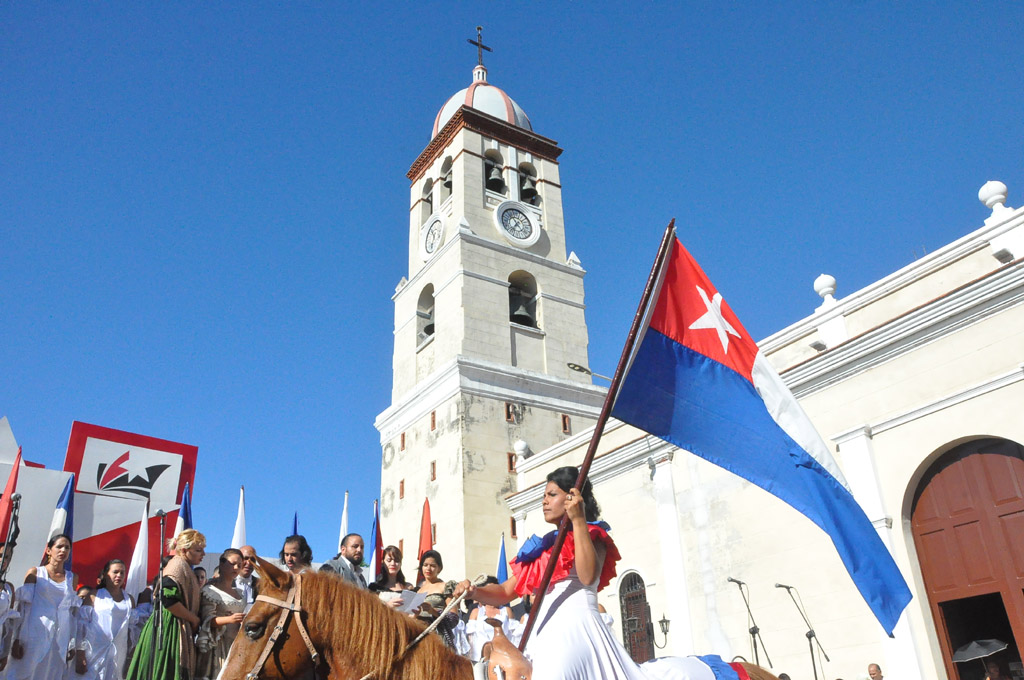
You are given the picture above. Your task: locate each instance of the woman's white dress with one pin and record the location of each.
(571, 642)
(106, 633)
(48, 629)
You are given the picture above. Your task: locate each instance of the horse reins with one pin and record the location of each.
(292, 603)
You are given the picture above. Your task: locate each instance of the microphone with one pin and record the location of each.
(736, 581)
(161, 513)
(783, 585)
(16, 497)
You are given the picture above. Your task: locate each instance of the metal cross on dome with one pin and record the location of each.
(480, 46)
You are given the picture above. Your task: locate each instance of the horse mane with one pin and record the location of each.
(364, 635)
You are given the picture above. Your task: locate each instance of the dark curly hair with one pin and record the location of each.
(305, 552)
(565, 478)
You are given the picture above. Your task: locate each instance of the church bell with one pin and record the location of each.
(528, 189)
(495, 182)
(519, 310)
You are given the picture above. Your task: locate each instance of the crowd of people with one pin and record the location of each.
(53, 627)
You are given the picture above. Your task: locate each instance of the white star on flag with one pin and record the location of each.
(714, 320)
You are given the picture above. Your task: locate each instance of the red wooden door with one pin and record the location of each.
(968, 526)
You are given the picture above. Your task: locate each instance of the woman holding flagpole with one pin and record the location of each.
(178, 595)
(48, 605)
(571, 641)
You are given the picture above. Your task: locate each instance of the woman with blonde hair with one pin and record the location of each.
(178, 597)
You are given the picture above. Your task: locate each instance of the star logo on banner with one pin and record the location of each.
(712, 319)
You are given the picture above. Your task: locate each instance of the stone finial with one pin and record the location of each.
(521, 448)
(574, 261)
(825, 286)
(993, 194)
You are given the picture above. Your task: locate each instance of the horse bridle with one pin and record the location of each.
(291, 603)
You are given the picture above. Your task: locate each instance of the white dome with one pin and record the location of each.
(486, 98)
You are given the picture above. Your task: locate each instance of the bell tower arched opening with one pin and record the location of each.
(967, 519)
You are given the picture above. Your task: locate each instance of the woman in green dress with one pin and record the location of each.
(179, 599)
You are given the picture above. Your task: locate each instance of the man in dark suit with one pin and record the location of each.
(346, 564)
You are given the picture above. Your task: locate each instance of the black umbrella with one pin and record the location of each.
(978, 649)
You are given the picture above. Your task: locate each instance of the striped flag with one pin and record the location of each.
(184, 513)
(64, 515)
(377, 551)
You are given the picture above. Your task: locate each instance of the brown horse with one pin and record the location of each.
(350, 630)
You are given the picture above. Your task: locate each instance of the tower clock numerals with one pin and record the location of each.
(516, 224)
(431, 236)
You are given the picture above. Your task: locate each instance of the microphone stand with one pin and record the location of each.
(12, 541)
(755, 632)
(811, 637)
(158, 609)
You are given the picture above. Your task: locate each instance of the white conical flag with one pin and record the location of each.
(238, 538)
(136, 580)
(344, 523)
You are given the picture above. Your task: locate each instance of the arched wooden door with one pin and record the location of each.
(637, 626)
(968, 526)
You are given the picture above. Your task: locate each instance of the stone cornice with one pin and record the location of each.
(960, 308)
(477, 377)
(486, 125)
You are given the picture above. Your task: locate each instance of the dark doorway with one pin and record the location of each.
(637, 626)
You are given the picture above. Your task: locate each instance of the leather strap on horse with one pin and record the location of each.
(293, 603)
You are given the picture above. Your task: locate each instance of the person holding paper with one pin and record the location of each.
(391, 584)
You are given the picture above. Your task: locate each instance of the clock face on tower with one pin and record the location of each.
(431, 237)
(516, 224)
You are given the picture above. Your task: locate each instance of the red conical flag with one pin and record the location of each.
(5, 502)
(426, 535)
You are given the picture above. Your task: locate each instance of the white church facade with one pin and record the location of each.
(915, 382)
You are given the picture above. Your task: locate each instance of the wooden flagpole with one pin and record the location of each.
(609, 401)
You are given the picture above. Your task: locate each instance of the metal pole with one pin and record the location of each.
(158, 602)
(609, 401)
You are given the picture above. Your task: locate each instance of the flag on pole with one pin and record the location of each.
(502, 571)
(377, 551)
(295, 524)
(344, 523)
(426, 536)
(64, 515)
(135, 582)
(698, 380)
(6, 505)
(238, 538)
(184, 513)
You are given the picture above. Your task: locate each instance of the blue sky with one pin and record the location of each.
(203, 206)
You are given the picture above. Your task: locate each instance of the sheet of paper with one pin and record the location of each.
(410, 601)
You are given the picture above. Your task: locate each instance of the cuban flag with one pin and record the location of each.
(377, 552)
(184, 520)
(698, 380)
(64, 515)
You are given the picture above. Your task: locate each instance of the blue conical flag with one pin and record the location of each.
(502, 571)
(64, 515)
(184, 513)
(295, 524)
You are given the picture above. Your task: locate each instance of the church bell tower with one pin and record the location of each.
(487, 320)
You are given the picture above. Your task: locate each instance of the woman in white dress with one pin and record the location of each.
(569, 640)
(45, 645)
(107, 615)
(479, 632)
(221, 610)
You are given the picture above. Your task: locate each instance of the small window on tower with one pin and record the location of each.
(522, 299)
(528, 184)
(566, 425)
(512, 527)
(427, 201)
(510, 414)
(433, 534)
(433, 420)
(446, 179)
(433, 470)
(401, 545)
(401, 442)
(511, 461)
(425, 315)
(401, 489)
